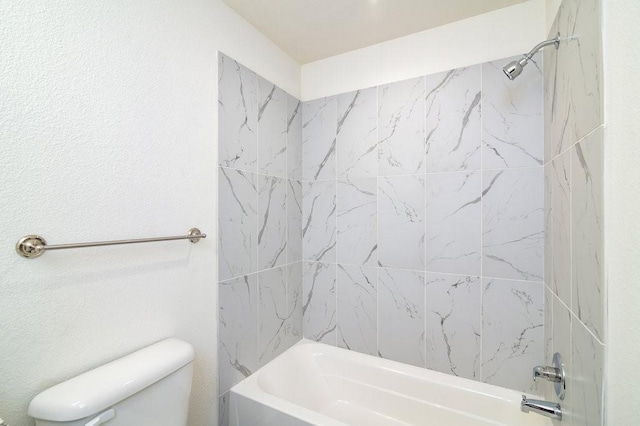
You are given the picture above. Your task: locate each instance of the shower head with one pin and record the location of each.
(514, 69)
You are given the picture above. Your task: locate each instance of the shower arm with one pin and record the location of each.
(539, 46)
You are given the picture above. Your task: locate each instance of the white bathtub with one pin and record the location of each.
(316, 384)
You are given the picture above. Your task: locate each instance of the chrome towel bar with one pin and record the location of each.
(32, 246)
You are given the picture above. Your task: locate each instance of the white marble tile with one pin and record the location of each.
(587, 232)
(586, 380)
(547, 388)
(513, 223)
(294, 220)
(357, 221)
(319, 220)
(453, 132)
(512, 333)
(237, 115)
(453, 319)
(272, 129)
(273, 313)
(560, 266)
(548, 223)
(401, 137)
(401, 228)
(453, 220)
(238, 217)
(357, 133)
(223, 410)
(561, 336)
(319, 302)
(294, 138)
(293, 327)
(357, 308)
(512, 116)
(238, 330)
(272, 222)
(401, 306)
(319, 123)
(573, 75)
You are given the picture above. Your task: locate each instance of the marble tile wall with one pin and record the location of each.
(260, 224)
(423, 222)
(574, 254)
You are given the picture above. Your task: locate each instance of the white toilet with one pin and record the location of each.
(148, 387)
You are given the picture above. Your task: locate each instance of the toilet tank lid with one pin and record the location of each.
(102, 387)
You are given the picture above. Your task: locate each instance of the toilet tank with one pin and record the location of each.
(148, 387)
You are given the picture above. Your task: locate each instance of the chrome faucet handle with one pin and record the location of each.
(551, 374)
(555, 374)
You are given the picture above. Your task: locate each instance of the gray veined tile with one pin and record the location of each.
(294, 138)
(548, 223)
(272, 222)
(587, 232)
(561, 336)
(573, 75)
(560, 236)
(513, 223)
(294, 220)
(272, 129)
(357, 134)
(512, 126)
(237, 115)
(273, 313)
(453, 102)
(238, 330)
(401, 143)
(223, 410)
(586, 380)
(401, 328)
(357, 308)
(357, 221)
(547, 388)
(293, 327)
(319, 220)
(453, 220)
(453, 321)
(512, 332)
(238, 217)
(319, 302)
(319, 123)
(401, 229)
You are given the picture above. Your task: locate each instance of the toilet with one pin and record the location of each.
(148, 387)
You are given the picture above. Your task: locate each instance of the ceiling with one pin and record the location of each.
(310, 30)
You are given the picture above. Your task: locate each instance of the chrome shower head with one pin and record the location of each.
(514, 69)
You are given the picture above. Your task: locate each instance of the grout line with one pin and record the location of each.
(591, 132)
(377, 141)
(425, 193)
(481, 330)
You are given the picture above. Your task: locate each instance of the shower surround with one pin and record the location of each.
(423, 222)
(404, 221)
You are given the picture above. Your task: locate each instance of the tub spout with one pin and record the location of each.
(545, 408)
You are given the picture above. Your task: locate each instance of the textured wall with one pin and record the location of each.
(260, 311)
(109, 127)
(622, 208)
(423, 222)
(574, 180)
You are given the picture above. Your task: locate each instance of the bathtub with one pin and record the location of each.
(316, 384)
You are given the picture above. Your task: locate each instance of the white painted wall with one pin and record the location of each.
(499, 34)
(551, 10)
(622, 208)
(108, 119)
